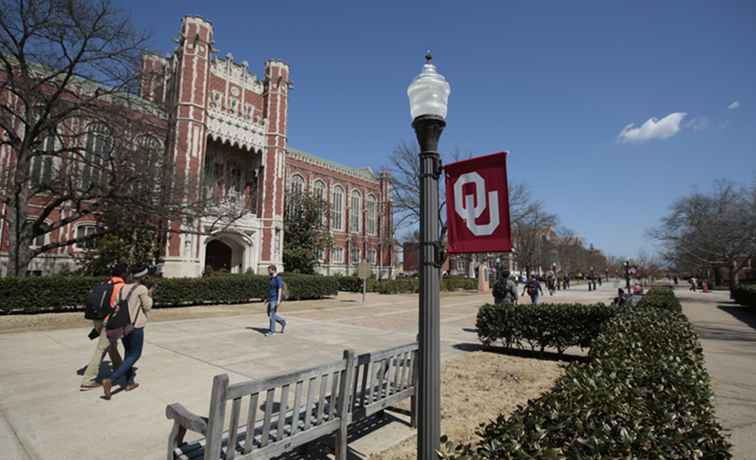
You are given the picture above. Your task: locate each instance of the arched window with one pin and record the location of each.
(337, 208)
(319, 189)
(40, 239)
(337, 256)
(355, 212)
(297, 184)
(99, 146)
(372, 215)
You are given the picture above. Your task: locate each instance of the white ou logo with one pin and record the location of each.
(468, 212)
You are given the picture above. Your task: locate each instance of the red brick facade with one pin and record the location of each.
(226, 131)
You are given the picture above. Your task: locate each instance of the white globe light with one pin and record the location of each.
(429, 92)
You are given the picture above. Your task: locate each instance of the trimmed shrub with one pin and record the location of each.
(644, 394)
(398, 286)
(660, 297)
(56, 293)
(557, 326)
(456, 283)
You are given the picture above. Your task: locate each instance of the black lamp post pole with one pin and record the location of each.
(627, 276)
(428, 130)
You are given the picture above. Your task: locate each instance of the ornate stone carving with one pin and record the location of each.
(235, 130)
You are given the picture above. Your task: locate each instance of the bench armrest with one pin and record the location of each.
(186, 418)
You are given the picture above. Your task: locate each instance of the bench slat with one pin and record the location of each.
(335, 377)
(282, 410)
(297, 402)
(261, 386)
(266, 417)
(251, 418)
(233, 429)
(321, 400)
(308, 407)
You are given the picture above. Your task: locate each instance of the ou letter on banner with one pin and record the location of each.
(477, 205)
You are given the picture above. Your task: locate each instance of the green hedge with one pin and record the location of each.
(55, 293)
(745, 295)
(660, 297)
(644, 394)
(556, 326)
(403, 285)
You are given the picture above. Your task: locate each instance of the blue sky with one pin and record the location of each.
(554, 83)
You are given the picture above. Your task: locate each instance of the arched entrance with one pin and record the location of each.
(218, 256)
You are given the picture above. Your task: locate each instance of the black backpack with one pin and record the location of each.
(121, 318)
(98, 301)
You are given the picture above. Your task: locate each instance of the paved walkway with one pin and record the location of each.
(44, 416)
(728, 336)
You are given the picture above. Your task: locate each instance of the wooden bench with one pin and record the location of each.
(326, 399)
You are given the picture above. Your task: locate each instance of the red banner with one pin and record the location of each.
(477, 205)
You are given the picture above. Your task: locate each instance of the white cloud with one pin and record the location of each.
(734, 105)
(652, 129)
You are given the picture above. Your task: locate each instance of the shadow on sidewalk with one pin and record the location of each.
(520, 352)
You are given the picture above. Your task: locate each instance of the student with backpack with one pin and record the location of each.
(534, 289)
(276, 293)
(127, 323)
(100, 302)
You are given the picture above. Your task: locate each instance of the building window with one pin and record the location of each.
(355, 254)
(337, 208)
(354, 212)
(321, 255)
(372, 256)
(98, 149)
(372, 215)
(83, 231)
(338, 255)
(40, 240)
(277, 243)
(296, 185)
(319, 191)
(42, 164)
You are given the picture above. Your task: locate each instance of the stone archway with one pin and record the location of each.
(218, 256)
(230, 252)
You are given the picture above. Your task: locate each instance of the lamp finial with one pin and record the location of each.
(428, 56)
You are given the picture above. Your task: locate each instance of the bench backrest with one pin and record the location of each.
(276, 420)
(383, 378)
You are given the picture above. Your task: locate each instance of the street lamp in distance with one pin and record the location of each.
(627, 275)
(428, 96)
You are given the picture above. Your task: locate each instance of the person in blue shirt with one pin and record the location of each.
(275, 289)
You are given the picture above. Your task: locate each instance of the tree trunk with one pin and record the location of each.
(19, 255)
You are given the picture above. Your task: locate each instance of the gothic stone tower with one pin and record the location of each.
(227, 137)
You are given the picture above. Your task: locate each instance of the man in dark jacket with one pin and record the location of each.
(534, 289)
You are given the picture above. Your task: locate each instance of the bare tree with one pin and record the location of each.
(716, 230)
(74, 140)
(531, 236)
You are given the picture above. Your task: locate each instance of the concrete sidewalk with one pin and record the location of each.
(728, 336)
(44, 416)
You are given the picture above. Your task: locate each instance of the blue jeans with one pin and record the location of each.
(534, 298)
(274, 317)
(132, 344)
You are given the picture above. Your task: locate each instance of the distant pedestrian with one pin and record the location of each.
(637, 289)
(551, 282)
(127, 324)
(275, 296)
(534, 289)
(620, 299)
(505, 290)
(101, 305)
(692, 282)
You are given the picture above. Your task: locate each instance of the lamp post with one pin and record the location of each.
(428, 95)
(627, 275)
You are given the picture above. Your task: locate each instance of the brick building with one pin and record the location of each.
(221, 121)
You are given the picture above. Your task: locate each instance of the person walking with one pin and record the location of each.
(551, 282)
(534, 289)
(275, 296)
(89, 381)
(505, 290)
(127, 323)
